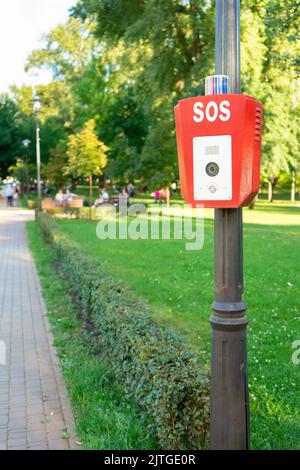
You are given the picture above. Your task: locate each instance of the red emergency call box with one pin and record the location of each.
(219, 146)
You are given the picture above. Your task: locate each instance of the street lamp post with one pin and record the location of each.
(36, 110)
(26, 143)
(229, 398)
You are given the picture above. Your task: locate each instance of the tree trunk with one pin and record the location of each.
(73, 184)
(270, 191)
(293, 187)
(91, 194)
(253, 202)
(168, 197)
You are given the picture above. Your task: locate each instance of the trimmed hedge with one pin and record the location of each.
(78, 213)
(153, 365)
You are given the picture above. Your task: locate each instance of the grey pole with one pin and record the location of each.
(38, 163)
(229, 383)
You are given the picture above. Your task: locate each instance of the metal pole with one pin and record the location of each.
(229, 383)
(38, 164)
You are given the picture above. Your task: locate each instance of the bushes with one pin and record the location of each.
(152, 364)
(83, 213)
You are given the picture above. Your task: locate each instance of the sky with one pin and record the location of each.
(22, 24)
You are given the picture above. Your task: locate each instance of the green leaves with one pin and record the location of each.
(11, 135)
(86, 153)
(125, 63)
(159, 50)
(54, 170)
(68, 50)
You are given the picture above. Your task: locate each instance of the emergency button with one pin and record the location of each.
(212, 188)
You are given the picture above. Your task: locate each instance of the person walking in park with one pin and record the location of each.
(9, 194)
(16, 195)
(156, 195)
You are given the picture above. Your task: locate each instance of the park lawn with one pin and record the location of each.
(178, 284)
(105, 419)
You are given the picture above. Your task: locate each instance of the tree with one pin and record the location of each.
(10, 135)
(177, 33)
(158, 163)
(54, 170)
(126, 64)
(55, 115)
(20, 172)
(71, 98)
(87, 155)
(281, 148)
(68, 50)
(162, 51)
(125, 126)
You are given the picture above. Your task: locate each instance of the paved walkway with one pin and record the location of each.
(34, 409)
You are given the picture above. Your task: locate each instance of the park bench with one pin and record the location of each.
(75, 203)
(48, 203)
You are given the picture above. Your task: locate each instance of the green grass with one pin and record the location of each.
(105, 419)
(178, 284)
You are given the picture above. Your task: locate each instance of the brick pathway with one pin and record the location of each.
(34, 409)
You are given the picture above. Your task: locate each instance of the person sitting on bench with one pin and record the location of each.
(103, 197)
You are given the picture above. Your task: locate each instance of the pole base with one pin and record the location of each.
(229, 387)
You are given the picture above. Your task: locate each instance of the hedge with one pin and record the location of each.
(164, 379)
(76, 213)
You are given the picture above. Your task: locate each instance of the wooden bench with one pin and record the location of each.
(75, 203)
(112, 201)
(48, 203)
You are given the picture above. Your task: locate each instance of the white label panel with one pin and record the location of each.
(213, 168)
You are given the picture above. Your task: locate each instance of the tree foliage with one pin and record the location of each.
(173, 45)
(86, 154)
(54, 170)
(162, 49)
(68, 49)
(124, 64)
(14, 128)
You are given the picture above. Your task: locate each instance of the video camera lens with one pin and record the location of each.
(212, 169)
